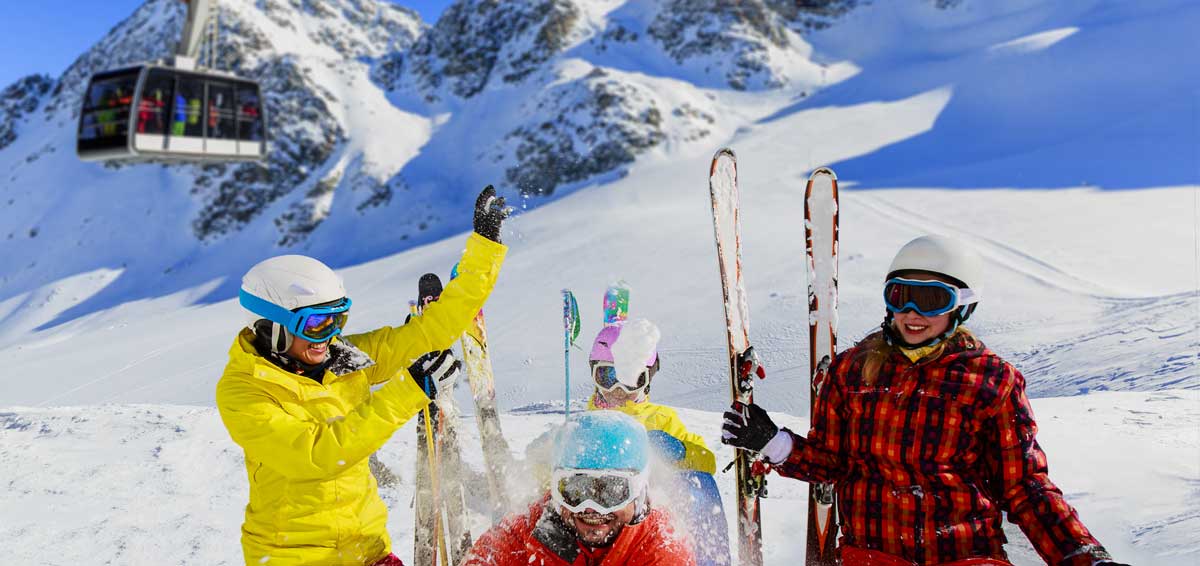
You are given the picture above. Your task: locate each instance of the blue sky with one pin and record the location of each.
(45, 36)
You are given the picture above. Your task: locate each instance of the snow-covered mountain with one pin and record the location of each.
(381, 124)
(1007, 124)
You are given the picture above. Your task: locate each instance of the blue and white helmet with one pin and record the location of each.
(291, 282)
(602, 440)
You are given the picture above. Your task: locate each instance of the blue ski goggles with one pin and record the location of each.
(315, 324)
(926, 298)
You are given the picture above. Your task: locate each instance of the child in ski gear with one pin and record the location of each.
(620, 348)
(296, 396)
(926, 434)
(597, 512)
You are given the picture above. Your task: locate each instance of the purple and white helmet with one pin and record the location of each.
(602, 347)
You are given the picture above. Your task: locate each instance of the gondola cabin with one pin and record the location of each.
(155, 112)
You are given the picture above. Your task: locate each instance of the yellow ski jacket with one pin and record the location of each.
(313, 500)
(697, 456)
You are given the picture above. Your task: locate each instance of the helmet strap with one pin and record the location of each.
(281, 340)
(273, 343)
(894, 338)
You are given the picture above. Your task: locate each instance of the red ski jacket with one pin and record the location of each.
(540, 538)
(925, 456)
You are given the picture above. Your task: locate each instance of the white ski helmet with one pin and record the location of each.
(292, 282)
(942, 256)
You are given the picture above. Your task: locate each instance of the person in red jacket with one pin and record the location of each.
(598, 510)
(926, 434)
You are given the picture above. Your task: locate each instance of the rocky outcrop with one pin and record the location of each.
(478, 41)
(738, 32)
(591, 126)
(305, 134)
(19, 100)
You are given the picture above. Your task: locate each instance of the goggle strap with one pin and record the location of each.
(267, 310)
(293, 322)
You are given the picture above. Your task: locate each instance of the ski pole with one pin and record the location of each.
(431, 451)
(570, 333)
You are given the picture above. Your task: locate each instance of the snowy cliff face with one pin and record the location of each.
(479, 41)
(592, 125)
(311, 58)
(19, 100)
(744, 33)
(306, 113)
(373, 114)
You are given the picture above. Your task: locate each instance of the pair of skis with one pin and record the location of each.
(821, 237)
(441, 510)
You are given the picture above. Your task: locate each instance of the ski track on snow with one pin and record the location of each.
(1004, 255)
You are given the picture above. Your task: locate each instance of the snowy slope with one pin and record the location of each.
(144, 484)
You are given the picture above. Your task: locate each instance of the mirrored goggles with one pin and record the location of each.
(926, 298)
(315, 324)
(605, 376)
(602, 491)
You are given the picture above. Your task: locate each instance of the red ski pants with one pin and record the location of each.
(389, 560)
(852, 556)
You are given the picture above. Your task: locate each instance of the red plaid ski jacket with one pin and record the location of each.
(927, 456)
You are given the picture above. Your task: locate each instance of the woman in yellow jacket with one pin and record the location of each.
(296, 396)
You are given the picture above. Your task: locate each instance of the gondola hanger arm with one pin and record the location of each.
(193, 32)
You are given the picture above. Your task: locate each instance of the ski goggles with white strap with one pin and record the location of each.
(315, 324)
(602, 491)
(605, 376)
(927, 298)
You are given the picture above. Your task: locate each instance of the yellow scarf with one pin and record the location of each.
(934, 350)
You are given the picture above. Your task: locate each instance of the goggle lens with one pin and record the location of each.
(929, 298)
(321, 326)
(606, 491)
(605, 376)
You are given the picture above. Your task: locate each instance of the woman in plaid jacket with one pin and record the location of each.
(926, 434)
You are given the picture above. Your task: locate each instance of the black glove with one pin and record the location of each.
(435, 371)
(747, 427)
(490, 213)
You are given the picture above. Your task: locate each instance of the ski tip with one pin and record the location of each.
(725, 151)
(429, 288)
(819, 171)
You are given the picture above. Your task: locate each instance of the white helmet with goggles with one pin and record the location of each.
(958, 292)
(299, 295)
(942, 256)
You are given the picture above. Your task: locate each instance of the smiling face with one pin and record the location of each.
(912, 326)
(311, 353)
(594, 529)
(916, 329)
